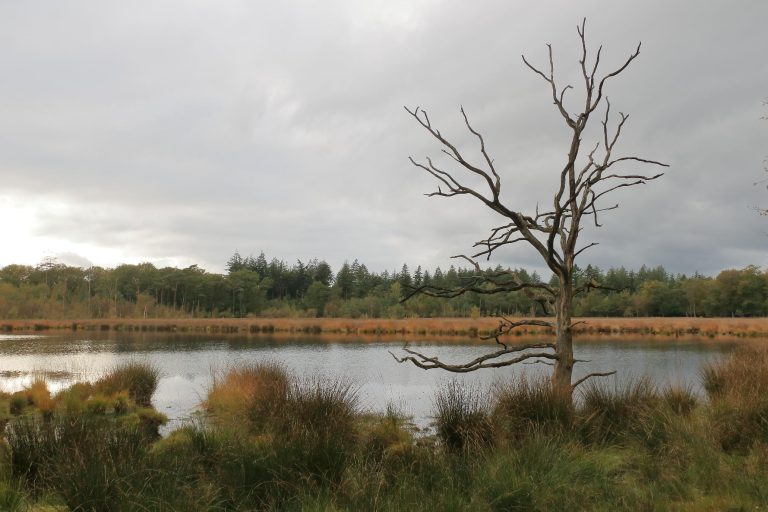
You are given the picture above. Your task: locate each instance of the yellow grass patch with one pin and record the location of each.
(234, 391)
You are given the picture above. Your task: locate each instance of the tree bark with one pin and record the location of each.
(563, 370)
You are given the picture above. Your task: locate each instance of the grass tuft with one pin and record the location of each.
(611, 414)
(251, 393)
(462, 417)
(527, 405)
(138, 379)
(738, 392)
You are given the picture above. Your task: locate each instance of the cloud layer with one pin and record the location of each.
(177, 132)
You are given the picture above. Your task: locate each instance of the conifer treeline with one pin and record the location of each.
(254, 286)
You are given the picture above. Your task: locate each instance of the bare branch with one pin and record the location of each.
(586, 246)
(429, 363)
(551, 80)
(539, 362)
(589, 376)
(506, 326)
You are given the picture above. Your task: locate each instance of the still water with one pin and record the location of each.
(188, 363)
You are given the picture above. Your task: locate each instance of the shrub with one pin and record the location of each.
(310, 427)
(462, 416)
(326, 407)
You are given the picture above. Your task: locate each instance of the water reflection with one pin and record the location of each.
(187, 363)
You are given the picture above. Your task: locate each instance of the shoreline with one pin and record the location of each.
(657, 327)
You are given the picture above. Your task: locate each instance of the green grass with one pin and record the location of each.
(526, 405)
(277, 442)
(462, 417)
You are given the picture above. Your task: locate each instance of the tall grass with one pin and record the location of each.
(529, 404)
(738, 392)
(251, 393)
(307, 429)
(462, 416)
(613, 412)
(138, 378)
(277, 442)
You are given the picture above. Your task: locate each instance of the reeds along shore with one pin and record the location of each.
(662, 327)
(274, 441)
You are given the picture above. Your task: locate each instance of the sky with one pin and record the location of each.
(178, 132)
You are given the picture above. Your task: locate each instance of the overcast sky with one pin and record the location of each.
(177, 132)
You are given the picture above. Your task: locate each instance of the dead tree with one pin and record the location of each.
(586, 178)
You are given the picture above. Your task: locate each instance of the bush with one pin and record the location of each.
(462, 417)
(72, 399)
(150, 421)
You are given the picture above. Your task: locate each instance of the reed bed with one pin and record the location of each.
(374, 328)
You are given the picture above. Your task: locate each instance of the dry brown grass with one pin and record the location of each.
(738, 392)
(413, 328)
(235, 391)
(39, 396)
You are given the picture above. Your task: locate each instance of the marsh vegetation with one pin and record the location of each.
(275, 441)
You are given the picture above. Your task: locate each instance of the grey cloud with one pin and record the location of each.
(181, 131)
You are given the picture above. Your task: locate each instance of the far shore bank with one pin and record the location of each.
(662, 327)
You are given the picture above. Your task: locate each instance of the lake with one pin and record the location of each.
(188, 362)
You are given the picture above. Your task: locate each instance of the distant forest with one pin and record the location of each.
(254, 286)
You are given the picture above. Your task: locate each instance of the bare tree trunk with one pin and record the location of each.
(563, 370)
